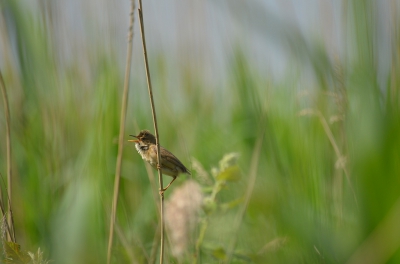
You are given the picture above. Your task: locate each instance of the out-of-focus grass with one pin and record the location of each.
(302, 209)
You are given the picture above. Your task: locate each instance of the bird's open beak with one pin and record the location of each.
(133, 140)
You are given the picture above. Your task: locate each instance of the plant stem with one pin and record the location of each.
(252, 180)
(9, 169)
(121, 134)
(153, 110)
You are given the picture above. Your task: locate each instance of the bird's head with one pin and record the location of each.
(144, 136)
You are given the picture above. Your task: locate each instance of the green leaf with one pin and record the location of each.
(219, 253)
(230, 174)
(231, 204)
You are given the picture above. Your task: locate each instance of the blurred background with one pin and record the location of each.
(286, 112)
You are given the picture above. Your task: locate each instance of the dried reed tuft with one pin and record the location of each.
(181, 215)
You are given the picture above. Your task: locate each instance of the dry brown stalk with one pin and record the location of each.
(153, 110)
(121, 134)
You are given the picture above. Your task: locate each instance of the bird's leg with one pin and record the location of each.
(162, 191)
(170, 183)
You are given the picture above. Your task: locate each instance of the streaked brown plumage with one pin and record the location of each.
(170, 165)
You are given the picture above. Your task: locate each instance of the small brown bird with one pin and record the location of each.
(170, 165)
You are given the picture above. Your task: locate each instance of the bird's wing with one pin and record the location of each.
(170, 161)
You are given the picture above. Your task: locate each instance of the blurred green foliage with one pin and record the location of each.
(328, 175)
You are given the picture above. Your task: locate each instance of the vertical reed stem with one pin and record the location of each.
(11, 234)
(121, 133)
(153, 110)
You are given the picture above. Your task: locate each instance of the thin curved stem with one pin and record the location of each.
(153, 110)
(121, 134)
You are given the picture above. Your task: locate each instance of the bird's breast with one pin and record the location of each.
(148, 153)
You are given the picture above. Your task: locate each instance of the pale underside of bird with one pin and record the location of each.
(169, 164)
